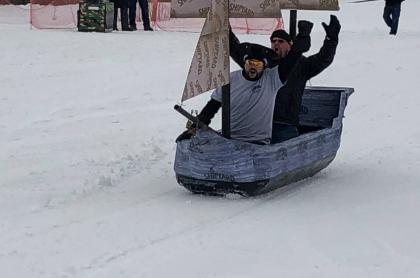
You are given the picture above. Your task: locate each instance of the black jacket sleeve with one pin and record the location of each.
(236, 49)
(316, 63)
(301, 44)
(209, 111)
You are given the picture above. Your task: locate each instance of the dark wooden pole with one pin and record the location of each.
(292, 26)
(226, 111)
(192, 118)
(226, 105)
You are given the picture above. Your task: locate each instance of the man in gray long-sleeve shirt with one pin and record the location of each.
(252, 94)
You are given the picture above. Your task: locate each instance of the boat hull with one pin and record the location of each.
(213, 165)
(248, 189)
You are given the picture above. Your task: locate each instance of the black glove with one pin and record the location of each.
(185, 135)
(305, 27)
(301, 44)
(191, 128)
(333, 28)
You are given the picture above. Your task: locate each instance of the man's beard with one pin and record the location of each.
(253, 74)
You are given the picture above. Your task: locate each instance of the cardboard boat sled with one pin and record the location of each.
(213, 165)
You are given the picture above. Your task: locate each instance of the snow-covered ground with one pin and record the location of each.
(87, 187)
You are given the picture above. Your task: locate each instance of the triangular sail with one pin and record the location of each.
(249, 8)
(209, 68)
(210, 64)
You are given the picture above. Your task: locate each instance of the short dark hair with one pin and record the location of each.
(281, 34)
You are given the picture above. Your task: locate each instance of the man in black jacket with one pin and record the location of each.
(295, 69)
(123, 6)
(391, 15)
(144, 7)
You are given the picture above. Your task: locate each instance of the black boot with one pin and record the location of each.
(126, 28)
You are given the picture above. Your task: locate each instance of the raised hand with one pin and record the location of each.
(305, 27)
(333, 29)
(302, 42)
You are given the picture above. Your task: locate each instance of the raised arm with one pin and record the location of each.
(235, 48)
(238, 51)
(318, 62)
(302, 42)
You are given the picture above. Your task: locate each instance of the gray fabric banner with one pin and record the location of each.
(210, 64)
(249, 8)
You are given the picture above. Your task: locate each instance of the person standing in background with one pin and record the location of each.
(123, 6)
(144, 6)
(391, 15)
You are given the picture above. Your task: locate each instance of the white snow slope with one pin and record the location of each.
(87, 187)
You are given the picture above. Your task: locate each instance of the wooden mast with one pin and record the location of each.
(292, 23)
(226, 102)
